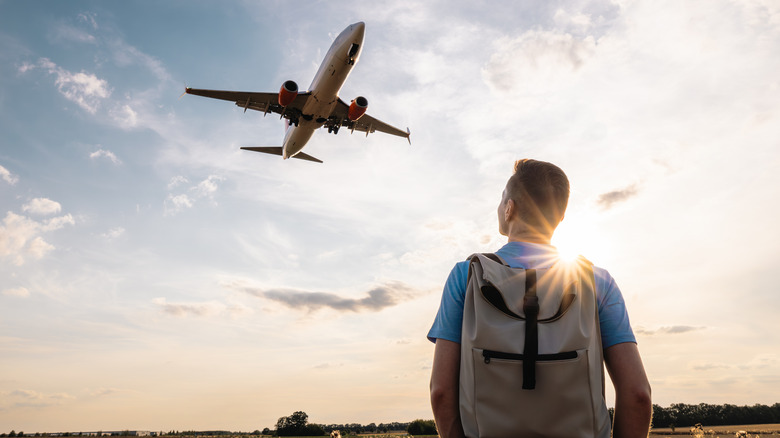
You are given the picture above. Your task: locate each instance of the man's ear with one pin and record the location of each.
(509, 210)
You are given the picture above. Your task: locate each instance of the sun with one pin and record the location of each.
(569, 242)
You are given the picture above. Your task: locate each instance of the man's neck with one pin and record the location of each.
(529, 237)
(518, 231)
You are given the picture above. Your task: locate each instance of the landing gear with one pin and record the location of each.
(333, 129)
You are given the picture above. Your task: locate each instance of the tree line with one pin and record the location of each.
(676, 415)
(684, 415)
(298, 424)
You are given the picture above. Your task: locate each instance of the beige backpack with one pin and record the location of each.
(531, 355)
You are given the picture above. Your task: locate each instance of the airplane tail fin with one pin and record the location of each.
(277, 150)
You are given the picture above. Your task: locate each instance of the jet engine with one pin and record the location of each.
(287, 93)
(357, 108)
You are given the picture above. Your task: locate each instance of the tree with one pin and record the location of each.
(422, 427)
(296, 425)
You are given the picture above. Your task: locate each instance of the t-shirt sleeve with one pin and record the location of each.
(449, 320)
(613, 316)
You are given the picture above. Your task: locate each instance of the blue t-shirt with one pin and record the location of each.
(613, 317)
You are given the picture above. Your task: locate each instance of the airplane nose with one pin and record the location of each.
(359, 28)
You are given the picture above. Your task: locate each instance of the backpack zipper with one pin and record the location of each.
(490, 354)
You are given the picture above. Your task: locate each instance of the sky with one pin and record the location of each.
(154, 276)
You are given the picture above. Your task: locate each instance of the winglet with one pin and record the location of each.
(409, 136)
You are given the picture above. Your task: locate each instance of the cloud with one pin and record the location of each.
(177, 181)
(609, 199)
(177, 203)
(21, 398)
(86, 90)
(42, 207)
(106, 392)
(70, 33)
(125, 54)
(17, 292)
(101, 153)
(189, 309)
(672, 330)
(536, 60)
(7, 176)
(202, 309)
(88, 18)
(709, 366)
(205, 189)
(113, 233)
(208, 187)
(125, 116)
(20, 236)
(375, 300)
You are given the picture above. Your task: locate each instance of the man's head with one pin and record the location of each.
(534, 200)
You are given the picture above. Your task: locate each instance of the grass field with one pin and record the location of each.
(753, 430)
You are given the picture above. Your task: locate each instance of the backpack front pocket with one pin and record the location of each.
(504, 409)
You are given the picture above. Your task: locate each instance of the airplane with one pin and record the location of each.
(319, 107)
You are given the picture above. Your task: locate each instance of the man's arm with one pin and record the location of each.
(445, 381)
(633, 405)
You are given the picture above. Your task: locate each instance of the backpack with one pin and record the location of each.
(531, 355)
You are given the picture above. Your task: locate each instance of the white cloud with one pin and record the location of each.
(176, 181)
(85, 89)
(113, 233)
(125, 116)
(16, 292)
(565, 19)
(39, 247)
(70, 33)
(536, 61)
(7, 176)
(101, 153)
(208, 187)
(25, 67)
(177, 203)
(28, 398)
(125, 54)
(189, 309)
(56, 223)
(89, 18)
(42, 206)
(205, 189)
(20, 237)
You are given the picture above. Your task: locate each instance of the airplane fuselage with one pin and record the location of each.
(324, 88)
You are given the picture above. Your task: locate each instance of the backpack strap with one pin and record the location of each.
(531, 348)
(588, 279)
(495, 257)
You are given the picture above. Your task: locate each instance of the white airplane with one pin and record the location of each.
(320, 106)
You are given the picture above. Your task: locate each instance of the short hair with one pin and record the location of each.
(540, 191)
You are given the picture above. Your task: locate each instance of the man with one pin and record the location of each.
(532, 205)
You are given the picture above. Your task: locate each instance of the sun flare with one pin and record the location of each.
(569, 243)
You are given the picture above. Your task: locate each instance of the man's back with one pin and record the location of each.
(532, 206)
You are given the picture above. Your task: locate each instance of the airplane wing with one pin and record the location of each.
(265, 102)
(365, 123)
